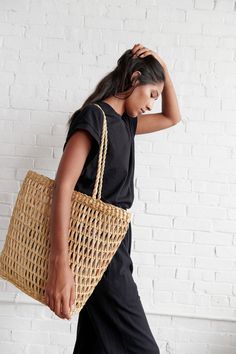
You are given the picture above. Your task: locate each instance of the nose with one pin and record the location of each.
(149, 105)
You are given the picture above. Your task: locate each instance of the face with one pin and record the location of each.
(143, 97)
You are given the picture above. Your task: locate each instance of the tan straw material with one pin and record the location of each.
(96, 230)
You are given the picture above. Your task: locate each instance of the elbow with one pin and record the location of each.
(177, 120)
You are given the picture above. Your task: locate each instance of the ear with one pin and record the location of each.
(135, 76)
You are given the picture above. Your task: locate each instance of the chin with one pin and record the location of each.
(133, 113)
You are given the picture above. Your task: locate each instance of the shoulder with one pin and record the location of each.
(88, 118)
(89, 110)
(88, 115)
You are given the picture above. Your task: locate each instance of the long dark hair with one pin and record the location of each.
(119, 82)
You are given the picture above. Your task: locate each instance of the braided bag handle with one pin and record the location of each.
(97, 190)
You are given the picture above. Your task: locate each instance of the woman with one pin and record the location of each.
(113, 320)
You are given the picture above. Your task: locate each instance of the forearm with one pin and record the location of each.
(59, 223)
(170, 107)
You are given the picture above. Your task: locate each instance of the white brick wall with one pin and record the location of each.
(184, 242)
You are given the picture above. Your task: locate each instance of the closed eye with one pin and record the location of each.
(155, 97)
(157, 94)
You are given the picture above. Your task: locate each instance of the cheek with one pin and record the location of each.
(136, 101)
(139, 98)
(142, 95)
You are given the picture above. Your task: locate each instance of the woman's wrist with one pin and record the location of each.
(163, 64)
(166, 72)
(167, 75)
(59, 256)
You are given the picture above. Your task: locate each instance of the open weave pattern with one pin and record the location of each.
(96, 230)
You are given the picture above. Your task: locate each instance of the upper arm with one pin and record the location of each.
(83, 137)
(73, 158)
(149, 123)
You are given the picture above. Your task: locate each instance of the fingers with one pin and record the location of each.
(135, 46)
(57, 308)
(60, 306)
(65, 308)
(139, 50)
(72, 296)
(46, 299)
(51, 303)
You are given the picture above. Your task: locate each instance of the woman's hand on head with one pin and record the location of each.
(139, 50)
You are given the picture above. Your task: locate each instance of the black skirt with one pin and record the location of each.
(113, 320)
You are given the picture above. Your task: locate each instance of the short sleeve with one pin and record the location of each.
(90, 118)
(133, 125)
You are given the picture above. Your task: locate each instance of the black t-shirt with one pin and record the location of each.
(117, 187)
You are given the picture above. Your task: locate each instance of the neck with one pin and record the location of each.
(117, 104)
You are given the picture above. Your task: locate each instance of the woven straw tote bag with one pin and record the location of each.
(96, 230)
